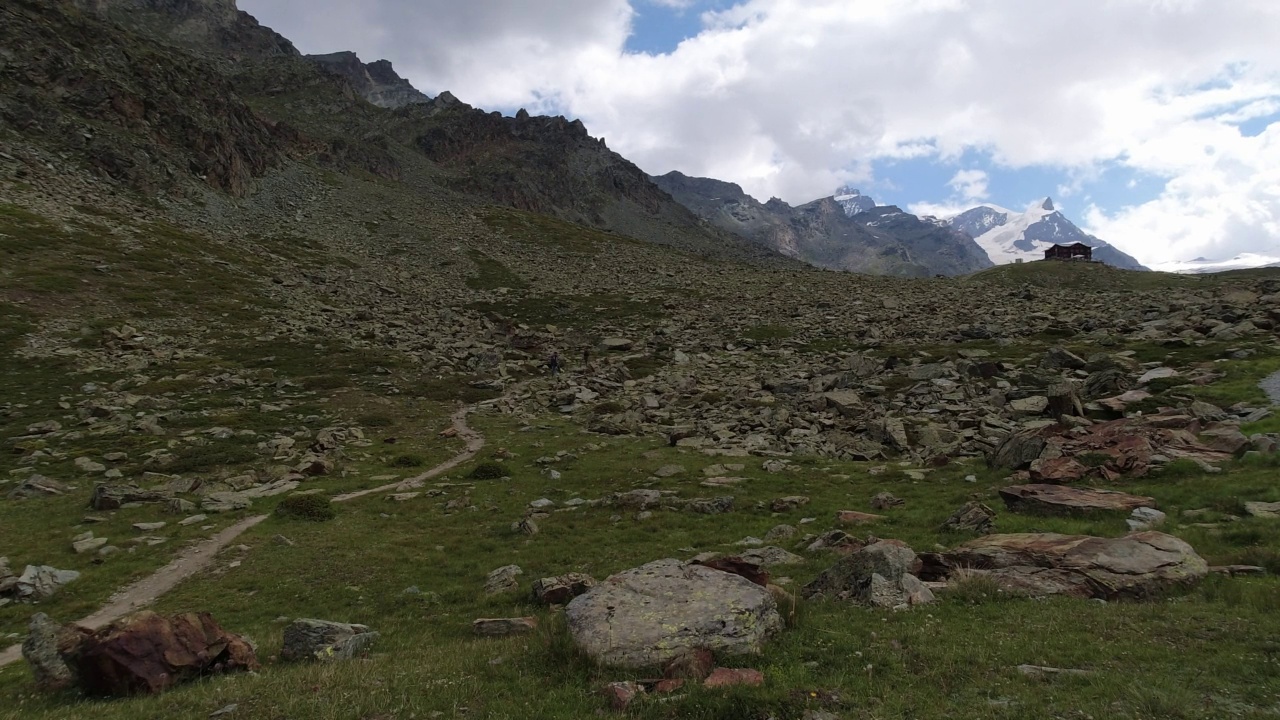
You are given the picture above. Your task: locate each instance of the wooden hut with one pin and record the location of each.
(1074, 251)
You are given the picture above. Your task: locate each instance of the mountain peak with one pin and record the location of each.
(1047, 205)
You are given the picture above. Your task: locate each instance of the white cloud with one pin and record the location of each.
(970, 184)
(793, 97)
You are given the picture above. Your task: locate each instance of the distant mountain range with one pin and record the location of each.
(1243, 261)
(847, 231)
(1009, 236)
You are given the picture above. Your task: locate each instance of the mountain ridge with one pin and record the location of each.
(824, 232)
(1008, 236)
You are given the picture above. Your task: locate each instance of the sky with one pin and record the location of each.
(1153, 124)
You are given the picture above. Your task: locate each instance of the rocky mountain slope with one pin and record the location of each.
(1009, 236)
(844, 232)
(377, 82)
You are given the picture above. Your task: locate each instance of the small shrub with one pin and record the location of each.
(970, 588)
(490, 471)
(1093, 459)
(608, 408)
(408, 461)
(315, 508)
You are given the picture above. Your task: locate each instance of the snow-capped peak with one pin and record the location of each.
(1009, 236)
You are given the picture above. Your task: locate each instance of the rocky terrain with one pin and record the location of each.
(276, 368)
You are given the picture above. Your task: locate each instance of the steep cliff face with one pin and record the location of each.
(878, 240)
(214, 26)
(137, 112)
(377, 82)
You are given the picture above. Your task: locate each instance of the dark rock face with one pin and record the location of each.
(148, 653)
(376, 82)
(163, 115)
(876, 240)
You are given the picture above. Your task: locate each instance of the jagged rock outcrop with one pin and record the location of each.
(376, 82)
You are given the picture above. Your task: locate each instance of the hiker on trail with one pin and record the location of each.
(554, 363)
(586, 359)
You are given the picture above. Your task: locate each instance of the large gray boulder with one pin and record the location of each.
(307, 639)
(1136, 566)
(646, 616)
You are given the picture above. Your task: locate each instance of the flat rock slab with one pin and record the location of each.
(1136, 566)
(647, 616)
(1263, 509)
(1060, 499)
(502, 627)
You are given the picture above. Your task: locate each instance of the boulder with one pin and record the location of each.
(1137, 566)
(972, 517)
(149, 653)
(37, 486)
(111, 497)
(878, 575)
(561, 589)
(1017, 452)
(616, 344)
(770, 556)
(41, 651)
(324, 640)
(39, 582)
(503, 580)
(1060, 499)
(1058, 470)
(648, 615)
(1262, 509)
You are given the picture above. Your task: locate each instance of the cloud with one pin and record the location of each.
(794, 97)
(970, 184)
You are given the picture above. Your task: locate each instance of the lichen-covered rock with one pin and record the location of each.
(41, 651)
(307, 639)
(648, 615)
(1136, 566)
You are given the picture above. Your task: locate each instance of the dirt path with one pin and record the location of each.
(199, 556)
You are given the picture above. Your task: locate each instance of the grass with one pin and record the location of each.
(956, 658)
(574, 310)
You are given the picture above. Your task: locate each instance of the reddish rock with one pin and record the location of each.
(621, 694)
(853, 517)
(1057, 470)
(741, 567)
(728, 677)
(1060, 499)
(148, 653)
